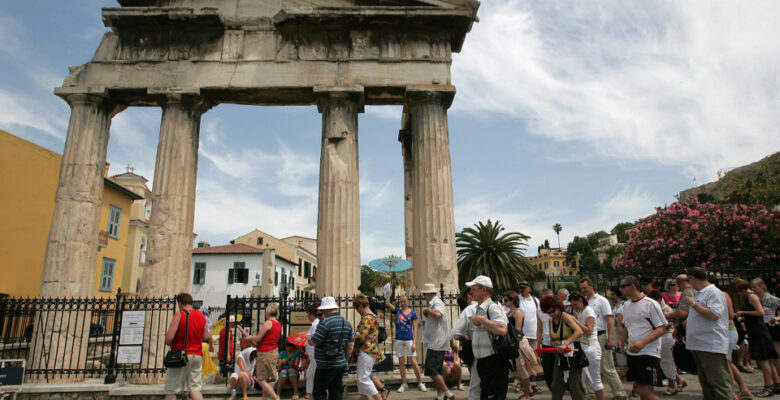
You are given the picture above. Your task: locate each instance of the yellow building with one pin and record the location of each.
(552, 262)
(138, 230)
(29, 174)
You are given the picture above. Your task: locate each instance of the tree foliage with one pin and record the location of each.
(706, 235)
(484, 250)
(557, 228)
(622, 231)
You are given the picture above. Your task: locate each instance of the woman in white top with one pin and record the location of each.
(309, 364)
(586, 316)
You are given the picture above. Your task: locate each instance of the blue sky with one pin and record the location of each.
(580, 113)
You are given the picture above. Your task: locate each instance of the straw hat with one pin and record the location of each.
(428, 288)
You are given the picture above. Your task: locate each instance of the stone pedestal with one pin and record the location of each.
(338, 219)
(433, 235)
(269, 267)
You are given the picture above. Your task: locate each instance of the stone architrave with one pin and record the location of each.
(338, 219)
(433, 236)
(269, 268)
(405, 137)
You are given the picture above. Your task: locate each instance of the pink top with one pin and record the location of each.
(671, 300)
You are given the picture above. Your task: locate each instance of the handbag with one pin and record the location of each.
(466, 353)
(683, 357)
(577, 360)
(507, 346)
(178, 358)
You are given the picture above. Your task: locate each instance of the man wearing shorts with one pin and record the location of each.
(436, 340)
(189, 377)
(644, 325)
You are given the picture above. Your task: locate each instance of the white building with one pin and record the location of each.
(234, 270)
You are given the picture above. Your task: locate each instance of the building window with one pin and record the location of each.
(239, 273)
(142, 252)
(546, 264)
(199, 276)
(107, 275)
(260, 240)
(276, 278)
(556, 263)
(300, 264)
(292, 282)
(148, 209)
(114, 215)
(306, 269)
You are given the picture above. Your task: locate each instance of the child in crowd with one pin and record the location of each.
(288, 365)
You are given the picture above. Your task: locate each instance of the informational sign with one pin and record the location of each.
(128, 355)
(132, 327)
(299, 318)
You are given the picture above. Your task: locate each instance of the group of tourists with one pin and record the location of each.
(578, 341)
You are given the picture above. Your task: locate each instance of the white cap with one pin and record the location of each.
(481, 280)
(328, 303)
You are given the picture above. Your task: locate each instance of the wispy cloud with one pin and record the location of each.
(21, 110)
(692, 84)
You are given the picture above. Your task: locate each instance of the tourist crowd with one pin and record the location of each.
(580, 341)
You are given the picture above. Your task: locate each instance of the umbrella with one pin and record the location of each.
(297, 339)
(390, 264)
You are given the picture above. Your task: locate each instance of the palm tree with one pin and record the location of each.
(483, 250)
(558, 228)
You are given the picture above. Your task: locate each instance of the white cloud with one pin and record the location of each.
(692, 84)
(19, 110)
(386, 112)
(375, 245)
(10, 42)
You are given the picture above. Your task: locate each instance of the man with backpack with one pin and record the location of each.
(489, 321)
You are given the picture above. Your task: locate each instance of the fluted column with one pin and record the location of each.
(169, 256)
(433, 215)
(69, 264)
(405, 137)
(268, 270)
(338, 218)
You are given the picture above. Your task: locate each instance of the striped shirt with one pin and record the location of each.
(327, 337)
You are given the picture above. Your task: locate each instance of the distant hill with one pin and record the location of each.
(756, 183)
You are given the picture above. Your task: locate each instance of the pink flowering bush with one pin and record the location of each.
(715, 236)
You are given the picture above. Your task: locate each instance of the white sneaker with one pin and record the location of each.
(233, 394)
(403, 388)
(461, 387)
(422, 387)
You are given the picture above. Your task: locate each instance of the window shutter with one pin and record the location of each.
(231, 275)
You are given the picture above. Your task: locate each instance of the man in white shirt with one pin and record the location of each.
(644, 325)
(488, 320)
(707, 336)
(531, 322)
(436, 340)
(606, 336)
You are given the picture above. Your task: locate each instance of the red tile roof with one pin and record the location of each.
(228, 249)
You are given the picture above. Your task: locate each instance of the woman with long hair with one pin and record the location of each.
(367, 350)
(526, 364)
(564, 331)
(671, 295)
(761, 347)
(586, 316)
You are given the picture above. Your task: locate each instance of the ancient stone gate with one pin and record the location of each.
(188, 55)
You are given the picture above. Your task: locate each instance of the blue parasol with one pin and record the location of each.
(390, 264)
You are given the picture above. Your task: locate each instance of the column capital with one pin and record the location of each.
(429, 93)
(188, 97)
(353, 93)
(89, 95)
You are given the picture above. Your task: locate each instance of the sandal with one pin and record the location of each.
(385, 393)
(768, 391)
(671, 391)
(777, 388)
(681, 385)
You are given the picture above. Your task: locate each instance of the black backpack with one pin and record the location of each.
(507, 346)
(382, 335)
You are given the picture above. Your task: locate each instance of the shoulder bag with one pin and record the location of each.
(577, 360)
(508, 345)
(332, 353)
(178, 358)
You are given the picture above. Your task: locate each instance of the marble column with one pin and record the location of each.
(268, 270)
(405, 137)
(169, 257)
(69, 264)
(338, 219)
(433, 235)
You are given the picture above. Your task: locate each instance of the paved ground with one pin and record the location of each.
(691, 392)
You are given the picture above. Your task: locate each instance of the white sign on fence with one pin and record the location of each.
(128, 355)
(132, 328)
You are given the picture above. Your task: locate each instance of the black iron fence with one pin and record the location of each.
(81, 337)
